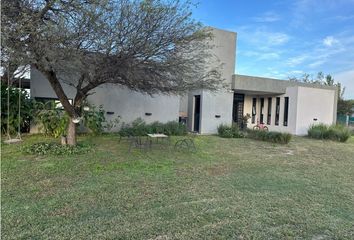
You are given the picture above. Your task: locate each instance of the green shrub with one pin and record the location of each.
(139, 128)
(227, 131)
(53, 121)
(43, 148)
(275, 137)
(334, 132)
(319, 131)
(94, 119)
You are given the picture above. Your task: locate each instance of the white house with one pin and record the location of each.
(282, 105)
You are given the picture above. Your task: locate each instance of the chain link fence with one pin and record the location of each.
(342, 119)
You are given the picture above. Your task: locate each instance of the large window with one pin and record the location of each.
(277, 110)
(254, 104)
(269, 115)
(286, 111)
(262, 110)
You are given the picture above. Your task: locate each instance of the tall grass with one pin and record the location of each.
(338, 133)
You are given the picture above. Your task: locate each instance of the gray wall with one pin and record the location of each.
(125, 103)
(217, 103)
(305, 105)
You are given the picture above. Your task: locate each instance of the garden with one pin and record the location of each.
(242, 184)
(237, 188)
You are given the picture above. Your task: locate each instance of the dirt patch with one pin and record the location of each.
(218, 170)
(63, 212)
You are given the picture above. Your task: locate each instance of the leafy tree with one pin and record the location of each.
(149, 46)
(11, 115)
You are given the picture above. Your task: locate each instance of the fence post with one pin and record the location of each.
(347, 120)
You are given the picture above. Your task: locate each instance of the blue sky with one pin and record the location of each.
(282, 38)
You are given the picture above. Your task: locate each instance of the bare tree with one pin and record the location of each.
(149, 46)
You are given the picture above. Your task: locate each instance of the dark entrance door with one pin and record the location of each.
(196, 124)
(237, 112)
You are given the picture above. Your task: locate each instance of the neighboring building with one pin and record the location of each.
(282, 105)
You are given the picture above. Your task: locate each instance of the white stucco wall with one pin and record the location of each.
(213, 104)
(314, 103)
(130, 105)
(305, 104)
(125, 103)
(217, 103)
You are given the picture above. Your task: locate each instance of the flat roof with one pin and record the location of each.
(262, 85)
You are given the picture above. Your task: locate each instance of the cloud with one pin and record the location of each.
(261, 36)
(260, 55)
(277, 38)
(295, 61)
(295, 72)
(267, 17)
(343, 18)
(316, 63)
(346, 78)
(329, 41)
(268, 56)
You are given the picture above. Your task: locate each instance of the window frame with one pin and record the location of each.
(269, 115)
(286, 112)
(277, 111)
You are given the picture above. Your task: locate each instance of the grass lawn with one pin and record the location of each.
(228, 189)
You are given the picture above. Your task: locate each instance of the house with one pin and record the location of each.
(282, 105)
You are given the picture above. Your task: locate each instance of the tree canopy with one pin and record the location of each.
(150, 46)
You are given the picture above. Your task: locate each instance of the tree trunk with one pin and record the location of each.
(71, 137)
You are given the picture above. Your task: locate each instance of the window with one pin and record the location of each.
(269, 116)
(286, 111)
(262, 109)
(254, 103)
(54, 102)
(277, 110)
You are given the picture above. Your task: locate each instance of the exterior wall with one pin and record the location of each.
(314, 104)
(217, 103)
(305, 105)
(130, 105)
(125, 103)
(216, 110)
(292, 111)
(40, 86)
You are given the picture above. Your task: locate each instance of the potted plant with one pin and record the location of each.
(245, 121)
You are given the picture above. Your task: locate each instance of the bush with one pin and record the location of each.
(275, 137)
(53, 121)
(227, 131)
(318, 131)
(139, 128)
(55, 149)
(334, 132)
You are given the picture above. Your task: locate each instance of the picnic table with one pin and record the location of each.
(157, 136)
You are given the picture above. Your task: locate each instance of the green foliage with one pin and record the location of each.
(12, 115)
(139, 128)
(94, 119)
(44, 148)
(227, 131)
(275, 137)
(111, 124)
(337, 133)
(53, 121)
(345, 107)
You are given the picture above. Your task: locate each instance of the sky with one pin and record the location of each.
(287, 38)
